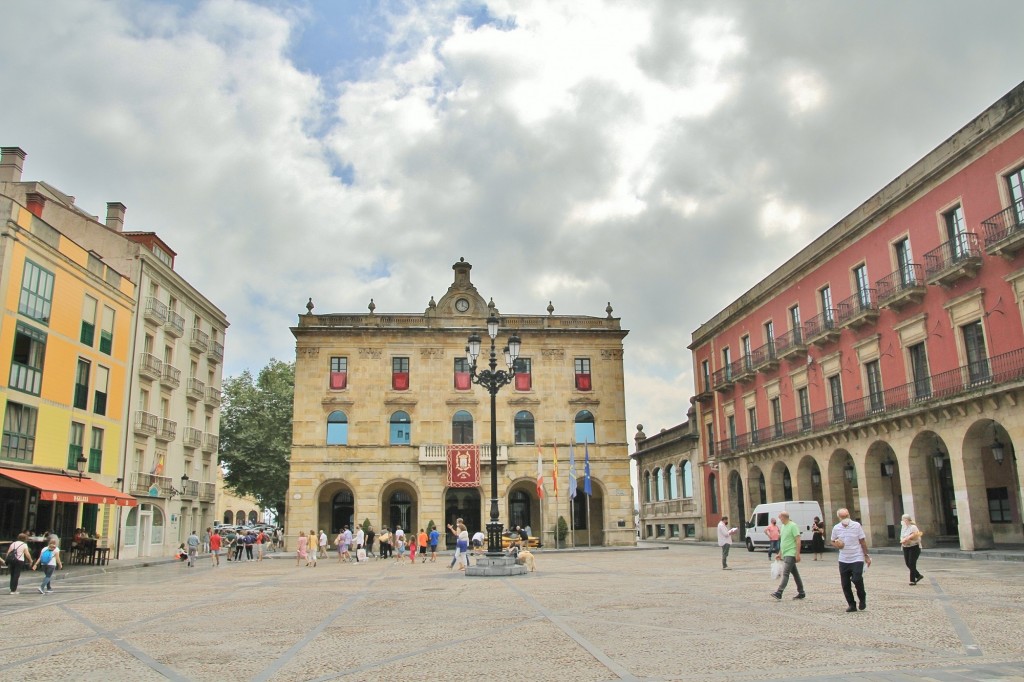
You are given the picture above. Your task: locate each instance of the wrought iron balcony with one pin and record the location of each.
(192, 437)
(195, 389)
(974, 376)
(170, 377)
(189, 490)
(216, 353)
(1004, 232)
(146, 423)
(175, 325)
(150, 484)
(438, 454)
(207, 492)
(723, 378)
(822, 329)
(954, 260)
(168, 429)
(744, 370)
(763, 358)
(155, 310)
(901, 288)
(211, 441)
(200, 340)
(213, 397)
(150, 366)
(859, 309)
(791, 344)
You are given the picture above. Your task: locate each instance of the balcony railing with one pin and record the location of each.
(167, 431)
(743, 369)
(171, 376)
(1004, 232)
(791, 343)
(763, 358)
(150, 366)
(859, 309)
(216, 353)
(903, 287)
(999, 369)
(956, 259)
(175, 325)
(192, 437)
(148, 484)
(210, 442)
(723, 379)
(146, 423)
(195, 389)
(207, 491)
(213, 396)
(190, 490)
(438, 454)
(200, 340)
(822, 328)
(155, 310)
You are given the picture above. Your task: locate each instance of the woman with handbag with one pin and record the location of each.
(17, 557)
(910, 540)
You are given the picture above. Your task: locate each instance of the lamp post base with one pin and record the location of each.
(489, 566)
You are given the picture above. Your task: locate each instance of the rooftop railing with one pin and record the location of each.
(999, 369)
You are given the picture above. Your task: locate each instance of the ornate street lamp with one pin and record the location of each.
(493, 379)
(79, 471)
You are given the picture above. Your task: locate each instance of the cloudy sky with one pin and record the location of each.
(663, 156)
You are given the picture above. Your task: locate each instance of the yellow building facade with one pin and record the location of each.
(381, 400)
(65, 341)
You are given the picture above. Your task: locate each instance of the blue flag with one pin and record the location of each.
(572, 473)
(586, 470)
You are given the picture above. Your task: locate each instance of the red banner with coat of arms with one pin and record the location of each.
(463, 466)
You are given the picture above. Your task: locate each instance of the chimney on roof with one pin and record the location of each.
(115, 216)
(11, 161)
(34, 202)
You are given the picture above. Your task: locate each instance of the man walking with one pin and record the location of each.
(789, 550)
(848, 537)
(725, 540)
(193, 548)
(215, 540)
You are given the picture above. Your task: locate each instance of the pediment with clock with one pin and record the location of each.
(462, 299)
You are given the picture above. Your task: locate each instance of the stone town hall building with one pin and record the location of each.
(379, 398)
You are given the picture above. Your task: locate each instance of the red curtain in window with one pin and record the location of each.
(462, 381)
(583, 382)
(400, 381)
(523, 382)
(339, 380)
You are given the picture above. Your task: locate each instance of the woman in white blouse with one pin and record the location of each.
(910, 540)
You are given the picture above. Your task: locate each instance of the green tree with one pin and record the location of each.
(256, 433)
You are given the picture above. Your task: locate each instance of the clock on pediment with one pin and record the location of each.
(462, 304)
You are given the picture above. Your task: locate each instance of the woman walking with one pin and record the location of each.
(818, 539)
(21, 556)
(50, 560)
(300, 548)
(910, 540)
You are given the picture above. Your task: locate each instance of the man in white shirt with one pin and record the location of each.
(725, 540)
(323, 544)
(848, 537)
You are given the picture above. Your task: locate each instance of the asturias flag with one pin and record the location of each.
(554, 471)
(572, 473)
(586, 470)
(540, 474)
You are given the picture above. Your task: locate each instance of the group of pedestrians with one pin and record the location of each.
(357, 546)
(19, 556)
(784, 540)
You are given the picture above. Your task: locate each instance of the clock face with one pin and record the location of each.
(462, 305)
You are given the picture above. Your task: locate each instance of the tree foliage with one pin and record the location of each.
(256, 433)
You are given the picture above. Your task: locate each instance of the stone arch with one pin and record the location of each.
(992, 487)
(757, 486)
(929, 482)
(334, 507)
(809, 482)
(881, 494)
(523, 508)
(399, 505)
(737, 503)
(781, 484)
(842, 484)
(597, 515)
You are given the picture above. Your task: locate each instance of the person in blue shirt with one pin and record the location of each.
(434, 538)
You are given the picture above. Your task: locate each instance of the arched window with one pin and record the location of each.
(519, 509)
(337, 428)
(524, 428)
(686, 475)
(253, 517)
(713, 493)
(585, 427)
(401, 428)
(762, 489)
(787, 486)
(647, 487)
(131, 527)
(342, 510)
(659, 484)
(673, 482)
(156, 536)
(462, 428)
(229, 517)
(240, 518)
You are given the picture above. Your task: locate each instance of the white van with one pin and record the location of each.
(801, 513)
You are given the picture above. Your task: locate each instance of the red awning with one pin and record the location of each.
(60, 488)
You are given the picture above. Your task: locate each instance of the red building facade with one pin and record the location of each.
(882, 367)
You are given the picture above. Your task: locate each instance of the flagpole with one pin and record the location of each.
(588, 521)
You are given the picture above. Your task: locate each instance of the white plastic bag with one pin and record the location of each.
(776, 569)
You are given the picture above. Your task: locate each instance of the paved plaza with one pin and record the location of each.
(649, 614)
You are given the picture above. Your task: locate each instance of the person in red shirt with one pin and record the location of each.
(773, 533)
(215, 541)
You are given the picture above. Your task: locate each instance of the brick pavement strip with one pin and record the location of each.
(668, 614)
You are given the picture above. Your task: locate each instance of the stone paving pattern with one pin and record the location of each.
(649, 614)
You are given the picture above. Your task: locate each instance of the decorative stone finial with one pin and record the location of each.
(551, 308)
(609, 310)
(490, 305)
(372, 306)
(309, 306)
